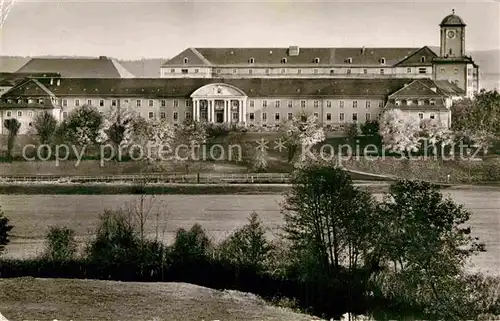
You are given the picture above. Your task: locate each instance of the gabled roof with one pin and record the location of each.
(306, 56)
(253, 87)
(29, 88)
(415, 58)
(101, 67)
(416, 89)
(11, 78)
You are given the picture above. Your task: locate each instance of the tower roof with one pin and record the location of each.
(452, 20)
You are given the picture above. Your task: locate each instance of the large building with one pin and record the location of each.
(249, 86)
(450, 63)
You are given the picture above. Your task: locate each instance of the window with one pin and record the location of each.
(316, 104)
(341, 117)
(282, 71)
(381, 71)
(264, 117)
(382, 60)
(151, 115)
(328, 104)
(397, 102)
(290, 104)
(196, 70)
(349, 60)
(354, 117)
(422, 70)
(422, 59)
(65, 114)
(299, 71)
(113, 102)
(188, 115)
(368, 104)
(442, 70)
(455, 70)
(176, 116)
(234, 71)
(469, 72)
(150, 103)
(19, 113)
(380, 104)
(217, 70)
(355, 104)
(65, 102)
(19, 101)
(267, 71)
(302, 104)
(365, 71)
(187, 103)
(341, 104)
(332, 72)
(408, 70)
(264, 103)
(184, 71)
(176, 103)
(162, 115)
(315, 71)
(125, 101)
(41, 101)
(252, 103)
(277, 116)
(9, 113)
(432, 102)
(138, 103)
(283, 60)
(30, 101)
(348, 71)
(368, 116)
(251, 116)
(290, 116)
(277, 104)
(163, 103)
(186, 60)
(432, 116)
(30, 114)
(77, 102)
(89, 102)
(316, 60)
(328, 117)
(316, 115)
(101, 103)
(172, 70)
(421, 115)
(420, 102)
(450, 52)
(251, 60)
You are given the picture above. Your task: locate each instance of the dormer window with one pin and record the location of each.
(186, 60)
(382, 61)
(316, 60)
(397, 102)
(432, 102)
(422, 59)
(283, 60)
(251, 60)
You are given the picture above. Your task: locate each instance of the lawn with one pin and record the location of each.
(62, 299)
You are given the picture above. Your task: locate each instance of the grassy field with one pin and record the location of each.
(62, 299)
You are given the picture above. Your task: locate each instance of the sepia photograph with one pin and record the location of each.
(249, 160)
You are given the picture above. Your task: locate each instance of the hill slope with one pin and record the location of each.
(63, 299)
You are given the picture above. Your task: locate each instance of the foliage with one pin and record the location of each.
(189, 139)
(60, 244)
(247, 246)
(399, 132)
(370, 128)
(259, 160)
(5, 229)
(417, 216)
(45, 125)
(190, 245)
(116, 126)
(12, 125)
(351, 132)
(83, 126)
(328, 221)
(302, 130)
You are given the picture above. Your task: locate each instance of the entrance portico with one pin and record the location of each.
(219, 103)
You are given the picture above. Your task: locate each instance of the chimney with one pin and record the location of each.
(293, 50)
(58, 82)
(103, 57)
(363, 50)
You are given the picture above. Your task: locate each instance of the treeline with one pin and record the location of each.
(339, 251)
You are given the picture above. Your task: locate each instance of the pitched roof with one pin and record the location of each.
(416, 89)
(254, 87)
(12, 78)
(415, 58)
(306, 56)
(29, 88)
(101, 67)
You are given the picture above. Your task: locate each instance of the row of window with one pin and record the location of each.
(455, 70)
(316, 60)
(19, 113)
(419, 102)
(277, 104)
(349, 71)
(138, 102)
(354, 116)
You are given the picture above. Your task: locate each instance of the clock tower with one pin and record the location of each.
(452, 36)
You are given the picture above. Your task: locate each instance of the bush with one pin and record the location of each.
(247, 246)
(190, 245)
(60, 244)
(5, 229)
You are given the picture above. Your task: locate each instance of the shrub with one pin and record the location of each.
(60, 244)
(190, 245)
(5, 229)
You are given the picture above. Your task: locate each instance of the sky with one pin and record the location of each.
(161, 29)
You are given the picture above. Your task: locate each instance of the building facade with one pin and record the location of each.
(450, 63)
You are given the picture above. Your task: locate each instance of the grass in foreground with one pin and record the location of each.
(63, 299)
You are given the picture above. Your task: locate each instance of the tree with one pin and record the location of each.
(399, 132)
(5, 229)
(416, 217)
(45, 125)
(352, 131)
(259, 161)
(478, 119)
(370, 128)
(83, 126)
(302, 130)
(12, 125)
(60, 244)
(435, 133)
(328, 221)
(117, 126)
(190, 137)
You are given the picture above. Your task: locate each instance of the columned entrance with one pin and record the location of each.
(219, 103)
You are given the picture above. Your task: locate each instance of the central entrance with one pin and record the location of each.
(219, 117)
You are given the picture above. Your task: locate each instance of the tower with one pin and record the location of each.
(452, 36)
